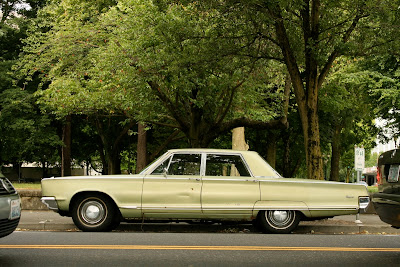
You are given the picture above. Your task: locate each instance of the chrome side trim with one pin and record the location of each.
(281, 208)
(352, 208)
(172, 178)
(282, 180)
(230, 179)
(129, 207)
(50, 202)
(170, 208)
(100, 177)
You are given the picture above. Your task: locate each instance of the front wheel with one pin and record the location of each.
(95, 213)
(278, 221)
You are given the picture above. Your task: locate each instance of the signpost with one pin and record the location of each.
(359, 165)
(359, 160)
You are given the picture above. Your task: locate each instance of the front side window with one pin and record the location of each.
(162, 167)
(225, 165)
(185, 164)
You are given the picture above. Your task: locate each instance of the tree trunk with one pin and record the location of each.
(66, 149)
(335, 160)
(111, 147)
(306, 94)
(315, 167)
(141, 160)
(271, 149)
(238, 143)
(114, 163)
(238, 139)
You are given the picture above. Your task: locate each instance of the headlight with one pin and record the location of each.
(363, 202)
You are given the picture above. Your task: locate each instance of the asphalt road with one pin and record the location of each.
(198, 249)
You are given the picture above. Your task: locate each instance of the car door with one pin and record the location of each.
(228, 187)
(173, 189)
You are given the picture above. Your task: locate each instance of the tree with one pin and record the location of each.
(25, 133)
(66, 72)
(308, 36)
(180, 59)
(347, 111)
(167, 66)
(385, 70)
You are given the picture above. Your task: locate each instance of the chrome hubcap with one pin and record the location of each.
(279, 219)
(92, 212)
(279, 215)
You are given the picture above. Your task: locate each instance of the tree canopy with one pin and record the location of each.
(202, 68)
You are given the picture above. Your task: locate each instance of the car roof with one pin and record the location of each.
(389, 157)
(209, 150)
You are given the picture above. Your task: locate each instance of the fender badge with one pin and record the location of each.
(349, 196)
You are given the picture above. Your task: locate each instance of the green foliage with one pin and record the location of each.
(25, 134)
(24, 131)
(178, 67)
(371, 160)
(197, 66)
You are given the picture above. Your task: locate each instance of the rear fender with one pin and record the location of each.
(281, 205)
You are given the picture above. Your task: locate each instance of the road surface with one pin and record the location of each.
(196, 249)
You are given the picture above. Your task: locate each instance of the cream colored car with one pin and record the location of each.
(209, 184)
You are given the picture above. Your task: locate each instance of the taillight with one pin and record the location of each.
(378, 175)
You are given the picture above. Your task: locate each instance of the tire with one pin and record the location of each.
(278, 221)
(95, 213)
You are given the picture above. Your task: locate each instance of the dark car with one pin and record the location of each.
(10, 207)
(387, 200)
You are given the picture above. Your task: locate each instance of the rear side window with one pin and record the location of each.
(225, 165)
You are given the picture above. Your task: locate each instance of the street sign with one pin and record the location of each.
(359, 158)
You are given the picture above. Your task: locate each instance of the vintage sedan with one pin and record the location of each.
(10, 207)
(201, 184)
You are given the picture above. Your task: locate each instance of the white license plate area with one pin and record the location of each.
(15, 212)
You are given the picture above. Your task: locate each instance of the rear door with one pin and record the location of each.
(228, 186)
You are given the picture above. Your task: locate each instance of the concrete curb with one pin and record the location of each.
(182, 228)
(30, 199)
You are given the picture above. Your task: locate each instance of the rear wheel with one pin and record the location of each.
(95, 213)
(278, 221)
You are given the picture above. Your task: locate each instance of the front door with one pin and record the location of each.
(173, 189)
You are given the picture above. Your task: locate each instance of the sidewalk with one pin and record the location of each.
(36, 220)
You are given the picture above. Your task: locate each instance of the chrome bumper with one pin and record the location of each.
(50, 202)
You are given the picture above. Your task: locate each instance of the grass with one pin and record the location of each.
(26, 185)
(372, 189)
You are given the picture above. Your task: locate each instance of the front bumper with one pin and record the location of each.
(10, 213)
(50, 202)
(387, 206)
